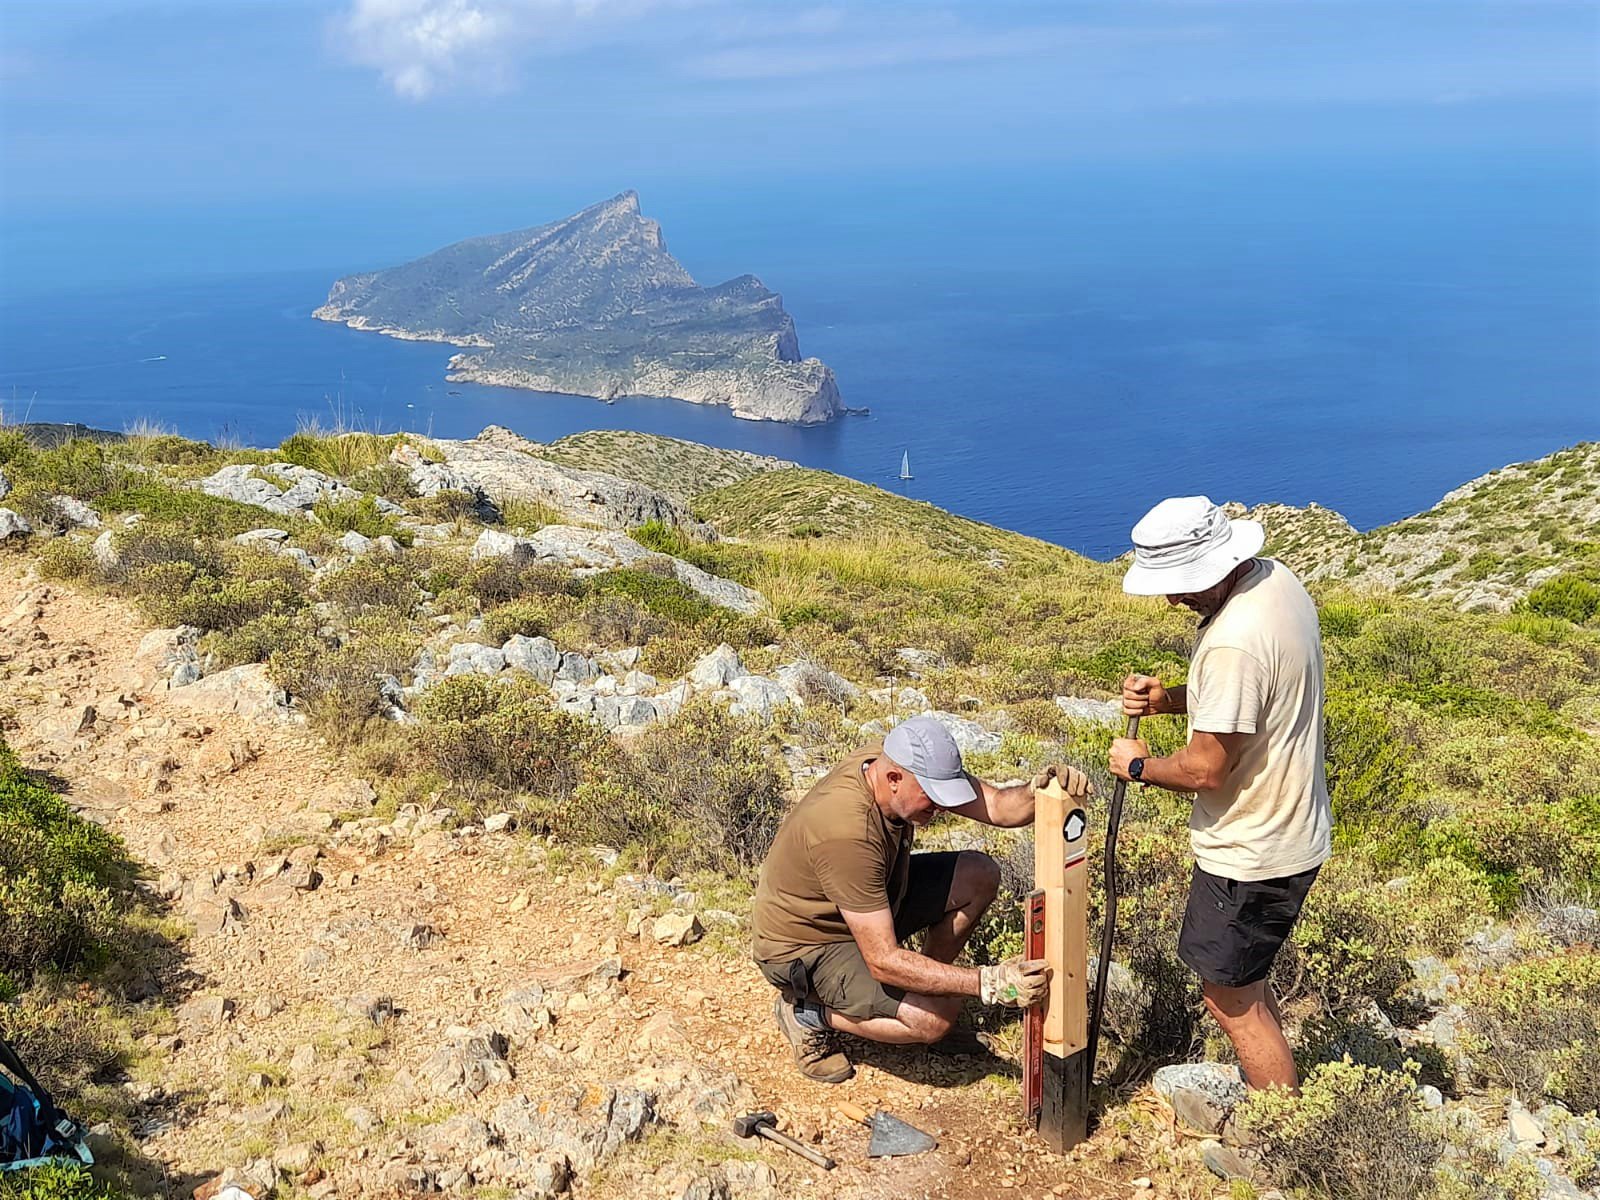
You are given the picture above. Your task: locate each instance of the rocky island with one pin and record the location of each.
(594, 305)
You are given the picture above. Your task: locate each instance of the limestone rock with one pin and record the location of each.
(290, 489)
(586, 1124)
(678, 927)
(537, 656)
(75, 512)
(496, 543)
(354, 543)
(760, 697)
(971, 738)
(474, 658)
(104, 552)
(5, 484)
(200, 1013)
(614, 712)
(917, 660)
(246, 691)
(465, 1066)
(716, 670)
(1098, 712)
(807, 681)
(13, 525)
(1203, 1095)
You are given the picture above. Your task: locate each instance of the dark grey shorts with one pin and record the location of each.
(836, 975)
(1232, 930)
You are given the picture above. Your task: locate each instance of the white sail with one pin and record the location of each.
(905, 465)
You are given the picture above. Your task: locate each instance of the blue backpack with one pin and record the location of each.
(33, 1131)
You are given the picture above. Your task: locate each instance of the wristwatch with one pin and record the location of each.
(1136, 769)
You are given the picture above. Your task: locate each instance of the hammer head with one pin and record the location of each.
(747, 1125)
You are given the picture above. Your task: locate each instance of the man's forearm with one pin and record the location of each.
(1179, 772)
(1177, 700)
(918, 973)
(1013, 806)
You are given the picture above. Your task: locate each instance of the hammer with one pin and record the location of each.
(762, 1124)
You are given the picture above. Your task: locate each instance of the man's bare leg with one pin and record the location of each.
(1249, 1016)
(973, 887)
(925, 1019)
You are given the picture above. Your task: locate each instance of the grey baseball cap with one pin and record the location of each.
(925, 748)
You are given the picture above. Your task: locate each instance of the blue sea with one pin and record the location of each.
(1054, 353)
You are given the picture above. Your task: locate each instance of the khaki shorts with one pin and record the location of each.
(836, 975)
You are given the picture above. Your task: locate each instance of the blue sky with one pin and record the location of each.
(154, 118)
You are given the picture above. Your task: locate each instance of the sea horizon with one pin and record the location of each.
(1357, 339)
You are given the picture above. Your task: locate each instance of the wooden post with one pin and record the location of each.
(1060, 872)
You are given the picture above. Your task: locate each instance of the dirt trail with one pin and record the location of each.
(439, 926)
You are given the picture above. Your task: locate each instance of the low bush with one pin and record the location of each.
(66, 559)
(1445, 900)
(388, 479)
(338, 684)
(57, 1181)
(339, 454)
(64, 882)
(1535, 1027)
(700, 791)
(184, 509)
(1355, 1132)
(258, 639)
(496, 738)
(1348, 947)
(372, 582)
(1368, 760)
(1566, 596)
(529, 618)
(80, 467)
(358, 514)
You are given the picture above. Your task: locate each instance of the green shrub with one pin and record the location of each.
(66, 559)
(371, 582)
(338, 685)
(1535, 1027)
(502, 737)
(177, 593)
(443, 506)
(185, 509)
(529, 618)
(1444, 902)
(1566, 596)
(1348, 947)
(1368, 762)
(528, 515)
(64, 882)
(387, 479)
(358, 514)
(80, 467)
(1355, 1132)
(659, 594)
(57, 1181)
(258, 639)
(700, 791)
(339, 454)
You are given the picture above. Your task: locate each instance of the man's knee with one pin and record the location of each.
(1230, 1005)
(932, 1019)
(979, 877)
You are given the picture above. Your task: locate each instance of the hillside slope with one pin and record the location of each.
(1482, 546)
(672, 466)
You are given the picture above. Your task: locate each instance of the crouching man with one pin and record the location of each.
(1261, 822)
(840, 890)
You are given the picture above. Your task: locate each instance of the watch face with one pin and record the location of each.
(1136, 769)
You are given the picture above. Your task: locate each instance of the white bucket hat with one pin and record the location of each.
(1187, 544)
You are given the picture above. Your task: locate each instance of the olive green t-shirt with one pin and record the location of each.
(835, 850)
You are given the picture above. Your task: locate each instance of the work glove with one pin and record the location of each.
(1016, 983)
(1073, 781)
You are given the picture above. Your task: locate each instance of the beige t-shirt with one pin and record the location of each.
(1257, 669)
(836, 850)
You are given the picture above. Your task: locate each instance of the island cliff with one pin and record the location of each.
(594, 305)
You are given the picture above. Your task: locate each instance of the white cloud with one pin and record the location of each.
(424, 46)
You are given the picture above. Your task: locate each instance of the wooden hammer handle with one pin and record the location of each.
(796, 1147)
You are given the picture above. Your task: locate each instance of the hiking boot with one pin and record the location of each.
(816, 1051)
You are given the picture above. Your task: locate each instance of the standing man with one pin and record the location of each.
(1261, 826)
(840, 890)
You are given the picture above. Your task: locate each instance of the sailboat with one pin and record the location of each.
(905, 466)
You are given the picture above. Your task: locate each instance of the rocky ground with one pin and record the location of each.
(375, 1006)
